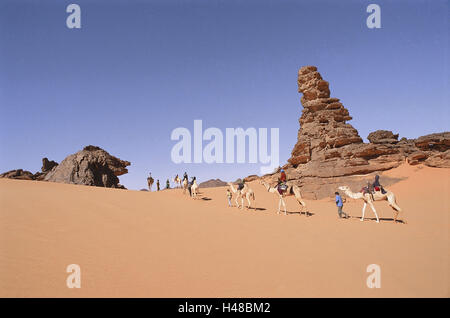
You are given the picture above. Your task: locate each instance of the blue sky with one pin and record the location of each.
(138, 69)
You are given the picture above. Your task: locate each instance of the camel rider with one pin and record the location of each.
(368, 189)
(190, 184)
(185, 176)
(241, 185)
(377, 186)
(282, 182)
(283, 176)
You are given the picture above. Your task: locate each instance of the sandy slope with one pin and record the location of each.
(131, 243)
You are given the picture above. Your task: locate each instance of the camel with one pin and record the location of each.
(185, 185)
(292, 189)
(377, 196)
(194, 188)
(246, 191)
(150, 182)
(177, 181)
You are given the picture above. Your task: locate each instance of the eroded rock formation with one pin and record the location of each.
(47, 166)
(91, 166)
(330, 152)
(18, 174)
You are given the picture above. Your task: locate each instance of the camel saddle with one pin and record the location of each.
(282, 187)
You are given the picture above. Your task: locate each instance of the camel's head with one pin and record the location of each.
(344, 188)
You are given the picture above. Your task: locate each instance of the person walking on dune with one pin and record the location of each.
(229, 197)
(157, 185)
(340, 205)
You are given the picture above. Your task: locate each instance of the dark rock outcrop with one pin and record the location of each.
(434, 142)
(21, 174)
(91, 166)
(383, 137)
(18, 174)
(48, 165)
(212, 183)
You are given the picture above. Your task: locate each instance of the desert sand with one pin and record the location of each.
(165, 244)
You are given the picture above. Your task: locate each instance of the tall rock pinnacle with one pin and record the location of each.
(323, 121)
(329, 152)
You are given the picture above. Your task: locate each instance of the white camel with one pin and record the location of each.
(246, 191)
(292, 189)
(185, 185)
(377, 196)
(194, 188)
(177, 181)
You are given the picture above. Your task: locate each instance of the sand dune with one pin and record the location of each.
(141, 244)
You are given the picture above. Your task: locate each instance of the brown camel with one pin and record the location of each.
(150, 182)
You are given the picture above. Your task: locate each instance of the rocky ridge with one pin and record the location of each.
(330, 152)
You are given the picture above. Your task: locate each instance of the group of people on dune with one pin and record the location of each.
(371, 192)
(158, 184)
(191, 186)
(177, 181)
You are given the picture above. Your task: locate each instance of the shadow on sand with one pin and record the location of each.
(307, 213)
(374, 219)
(257, 209)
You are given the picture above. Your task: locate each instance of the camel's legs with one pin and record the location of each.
(374, 211)
(284, 205)
(242, 202)
(298, 197)
(395, 206)
(363, 210)
(395, 216)
(392, 202)
(248, 199)
(303, 205)
(279, 205)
